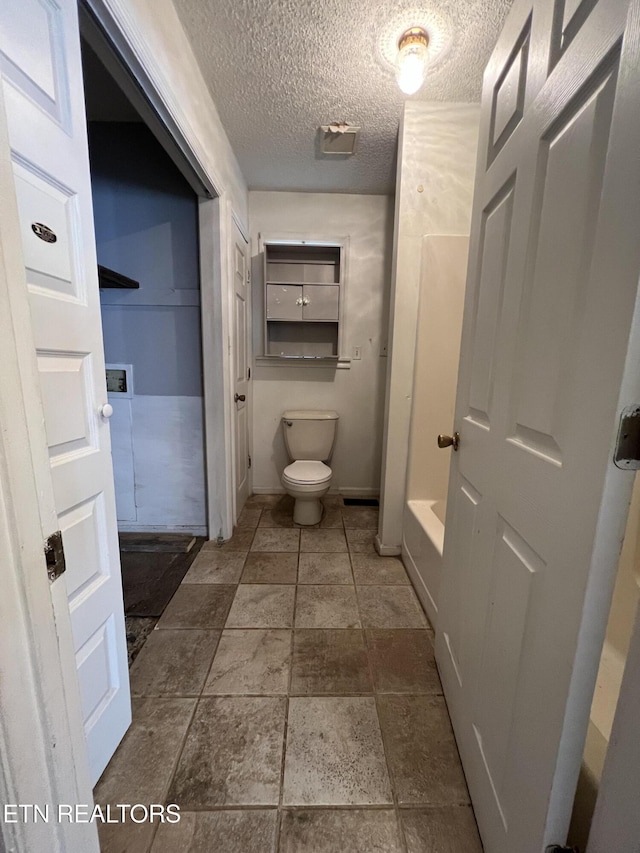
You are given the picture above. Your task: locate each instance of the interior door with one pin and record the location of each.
(536, 506)
(41, 76)
(241, 286)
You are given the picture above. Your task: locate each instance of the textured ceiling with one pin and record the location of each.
(277, 69)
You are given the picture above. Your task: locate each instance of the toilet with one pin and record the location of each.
(309, 436)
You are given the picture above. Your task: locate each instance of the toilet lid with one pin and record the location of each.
(307, 471)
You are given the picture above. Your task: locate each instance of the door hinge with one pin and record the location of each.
(54, 555)
(248, 373)
(627, 453)
(558, 848)
(249, 462)
(248, 275)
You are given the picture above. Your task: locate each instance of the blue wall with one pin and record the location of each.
(146, 220)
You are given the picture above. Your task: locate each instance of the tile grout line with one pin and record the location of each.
(392, 784)
(286, 715)
(167, 787)
(192, 716)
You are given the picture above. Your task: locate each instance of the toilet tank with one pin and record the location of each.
(310, 433)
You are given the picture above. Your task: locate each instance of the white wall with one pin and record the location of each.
(357, 394)
(442, 287)
(434, 190)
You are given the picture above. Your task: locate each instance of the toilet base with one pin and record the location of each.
(307, 511)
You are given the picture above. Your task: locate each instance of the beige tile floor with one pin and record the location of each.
(288, 701)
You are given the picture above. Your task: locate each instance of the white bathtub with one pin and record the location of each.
(422, 545)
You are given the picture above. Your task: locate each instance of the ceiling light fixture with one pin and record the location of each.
(411, 62)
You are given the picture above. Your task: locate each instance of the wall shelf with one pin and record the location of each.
(303, 299)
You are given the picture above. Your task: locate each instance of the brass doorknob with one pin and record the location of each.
(449, 440)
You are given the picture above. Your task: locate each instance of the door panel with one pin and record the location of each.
(532, 526)
(495, 241)
(321, 302)
(41, 75)
(284, 302)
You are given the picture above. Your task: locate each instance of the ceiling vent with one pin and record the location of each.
(339, 138)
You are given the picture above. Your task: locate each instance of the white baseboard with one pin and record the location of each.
(358, 492)
(133, 527)
(386, 550)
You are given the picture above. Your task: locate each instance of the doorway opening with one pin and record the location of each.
(147, 237)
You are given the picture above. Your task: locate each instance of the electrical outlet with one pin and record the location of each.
(357, 353)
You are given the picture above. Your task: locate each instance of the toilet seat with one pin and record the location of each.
(307, 472)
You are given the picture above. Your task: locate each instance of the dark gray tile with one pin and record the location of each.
(251, 661)
(390, 607)
(373, 569)
(334, 753)
(421, 750)
(249, 517)
(198, 606)
(329, 661)
(240, 541)
(125, 837)
(361, 541)
(326, 606)
(360, 517)
(216, 566)
(402, 661)
(325, 568)
(262, 606)
(272, 518)
(280, 514)
(141, 767)
(262, 567)
(244, 831)
(318, 541)
(336, 830)
(441, 829)
(232, 755)
(332, 501)
(331, 518)
(276, 539)
(173, 663)
(264, 500)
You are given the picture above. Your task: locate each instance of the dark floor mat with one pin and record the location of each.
(149, 580)
(171, 543)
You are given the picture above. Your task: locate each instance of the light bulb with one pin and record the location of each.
(412, 60)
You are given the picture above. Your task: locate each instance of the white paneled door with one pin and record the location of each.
(42, 82)
(549, 358)
(241, 285)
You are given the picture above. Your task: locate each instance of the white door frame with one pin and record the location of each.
(114, 35)
(43, 756)
(41, 713)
